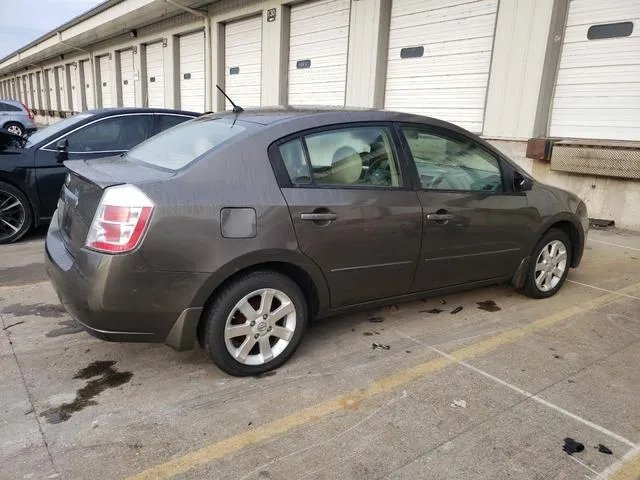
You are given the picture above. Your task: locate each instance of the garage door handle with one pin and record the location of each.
(439, 217)
(318, 217)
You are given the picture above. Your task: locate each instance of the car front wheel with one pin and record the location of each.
(15, 213)
(255, 323)
(549, 265)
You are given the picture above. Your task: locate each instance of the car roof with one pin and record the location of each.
(120, 110)
(268, 116)
(17, 103)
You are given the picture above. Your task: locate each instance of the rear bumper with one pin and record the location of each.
(117, 298)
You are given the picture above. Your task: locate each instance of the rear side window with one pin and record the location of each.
(7, 107)
(176, 148)
(358, 156)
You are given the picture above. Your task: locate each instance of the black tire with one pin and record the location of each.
(224, 305)
(16, 126)
(530, 288)
(7, 235)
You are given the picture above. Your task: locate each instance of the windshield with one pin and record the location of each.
(177, 147)
(51, 130)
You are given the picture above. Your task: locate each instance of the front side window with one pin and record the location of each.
(111, 134)
(358, 156)
(165, 122)
(446, 163)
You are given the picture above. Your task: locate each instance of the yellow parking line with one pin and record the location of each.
(351, 400)
(629, 470)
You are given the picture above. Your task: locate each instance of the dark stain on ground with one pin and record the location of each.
(107, 377)
(270, 373)
(571, 446)
(431, 310)
(456, 310)
(602, 449)
(489, 306)
(69, 327)
(556, 356)
(376, 319)
(48, 310)
(23, 275)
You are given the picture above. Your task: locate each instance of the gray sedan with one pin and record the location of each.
(235, 230)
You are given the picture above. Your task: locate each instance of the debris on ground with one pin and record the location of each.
(431, 310)
(556, 356)
(601, 223)
(370, 333)
(459, 404)
(456, 310)
(571, 446)
(489, 306)
(602, 449)
(380, 346)
(12, 325)
(376, 319)
(407, 351)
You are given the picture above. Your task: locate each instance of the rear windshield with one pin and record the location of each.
(177, 147)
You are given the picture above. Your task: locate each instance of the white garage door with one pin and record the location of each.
(25, 90)
(62, 89)
(54, 93)
(155, 75)
(74, 81)
(243, 61)
(33, 93)
(318, 49)
(87, 84)
(597, 93)
(126, 79)
(105, 81)
(39, 91)
(439, 59)
(192, 72)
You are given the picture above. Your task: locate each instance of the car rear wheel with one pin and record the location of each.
(15, 127)
(15, 213)
(550, 264)
(255, 323)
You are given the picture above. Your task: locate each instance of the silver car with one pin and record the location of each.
(16, 117)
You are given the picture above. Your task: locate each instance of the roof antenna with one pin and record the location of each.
(236, 108)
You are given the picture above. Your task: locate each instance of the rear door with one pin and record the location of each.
(475, 225)
(104, 137)
(352, 210)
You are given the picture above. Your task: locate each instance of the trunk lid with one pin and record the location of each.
(83, 189)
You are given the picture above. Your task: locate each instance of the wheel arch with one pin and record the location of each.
(35, 214)
(573, 231)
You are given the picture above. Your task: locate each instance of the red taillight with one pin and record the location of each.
(120, 221)
(29, 112)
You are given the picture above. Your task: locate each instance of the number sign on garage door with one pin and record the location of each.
(155, 75)
(243, 61)
(439, 59)
(126, 79)
(192, 93)
(104, 79)
(318, 50)
(597, 92)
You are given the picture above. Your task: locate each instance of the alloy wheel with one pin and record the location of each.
(15, 129)
(12, 215)
(550, 265)
(260, 326)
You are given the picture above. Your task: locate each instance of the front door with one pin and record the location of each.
(102, 138)
(352, 212)
(475, 226)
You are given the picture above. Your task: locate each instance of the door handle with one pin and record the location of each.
(440, 217)
(319, 217)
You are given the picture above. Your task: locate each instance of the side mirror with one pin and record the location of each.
(61, 150)
(521, 182)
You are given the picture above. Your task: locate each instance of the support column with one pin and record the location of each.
(275, 53)
(217, 65)
(139, 76)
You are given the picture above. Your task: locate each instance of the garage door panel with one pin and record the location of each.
(338, 37)
(62, 89)
(620, 101)
(154, 61)
(588, 131)
(327, 20)
(192, 89)
(105, 81)
(126, 79)
(578, 33)
(465, 118)
(612, 52)
(461, 47)
(479, 27)
(628, 74)
(464, 64)
(88, 85)
(243, 62)
(460, 14)
(410, 7)
(584, 12)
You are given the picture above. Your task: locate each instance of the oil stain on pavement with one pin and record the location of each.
(23, 275)
(489, 306)
(107, 377)
(68, 327)
(48, 310)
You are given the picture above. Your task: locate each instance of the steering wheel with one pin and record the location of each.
(379, 172)
(437, 181)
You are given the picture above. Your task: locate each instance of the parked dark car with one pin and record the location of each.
(32, 174)
(237, 229)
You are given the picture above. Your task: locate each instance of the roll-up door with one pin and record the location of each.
(76, 93)
(439, 59)
(62, 89)
(39, 92)
(243, 61)
(126, 79)
(105, 81)
(33, 92)
(25, 90)
(155, 75)
(54, 93)
(597, 91)
(318, 51)
(192, 95)
(87, 84)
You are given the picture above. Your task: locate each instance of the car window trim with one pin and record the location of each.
(53, 142)
(446, 133)
(282, 175)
